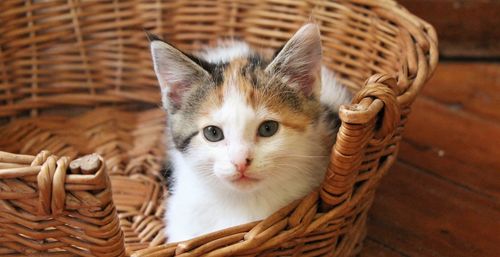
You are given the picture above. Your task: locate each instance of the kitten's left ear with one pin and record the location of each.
(176, 72)
(299, 61)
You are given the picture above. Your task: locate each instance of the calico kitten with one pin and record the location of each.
(247, 133)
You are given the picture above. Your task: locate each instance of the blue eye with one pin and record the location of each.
(213, 133)
(268, 128)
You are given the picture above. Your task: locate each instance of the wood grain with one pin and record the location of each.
(470, 86)
(373, 248)
(459, 135)
(456, 171)
(418, 214)
(465, 27)
(466, 97)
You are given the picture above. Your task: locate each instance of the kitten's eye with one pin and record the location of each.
(213, 133)
(268, 128)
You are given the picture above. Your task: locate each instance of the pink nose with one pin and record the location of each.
(242, 166)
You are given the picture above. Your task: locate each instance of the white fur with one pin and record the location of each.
(225, 51)
(333, 94)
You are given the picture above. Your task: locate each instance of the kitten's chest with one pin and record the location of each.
(228, 211)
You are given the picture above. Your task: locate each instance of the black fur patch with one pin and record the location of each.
(331, 118)
(278, 50)
(217, 73)
(152, 37)
(216, 70)
(254, 63)
(182, 143)
(168, 178)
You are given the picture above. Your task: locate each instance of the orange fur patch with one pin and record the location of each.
(255, 97)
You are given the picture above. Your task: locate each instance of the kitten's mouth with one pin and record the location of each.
(245, 180)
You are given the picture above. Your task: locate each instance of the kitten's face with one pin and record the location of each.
(248, 122)
(252, 131)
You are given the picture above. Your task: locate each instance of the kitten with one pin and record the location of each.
(247, 134)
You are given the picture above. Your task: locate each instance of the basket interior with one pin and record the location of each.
(58, 57)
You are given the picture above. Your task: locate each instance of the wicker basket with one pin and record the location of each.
(76, 78)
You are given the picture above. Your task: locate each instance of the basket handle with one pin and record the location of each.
(372, 119)
(385, 89)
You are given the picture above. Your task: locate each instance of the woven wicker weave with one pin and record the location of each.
(76, 78)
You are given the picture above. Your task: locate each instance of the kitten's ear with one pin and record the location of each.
(299, 60)
(176, 72)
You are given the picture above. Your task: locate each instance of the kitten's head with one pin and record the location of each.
(250, 121)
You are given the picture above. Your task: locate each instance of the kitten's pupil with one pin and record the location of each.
(213, 133)
(268, 128)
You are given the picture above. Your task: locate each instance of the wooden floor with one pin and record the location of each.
(442, 198)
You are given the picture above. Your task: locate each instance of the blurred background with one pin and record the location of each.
(442, 198)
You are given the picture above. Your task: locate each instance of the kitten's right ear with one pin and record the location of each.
(298, 62)
(176, 72)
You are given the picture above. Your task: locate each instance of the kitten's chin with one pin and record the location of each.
(246, 182)
(243, 184)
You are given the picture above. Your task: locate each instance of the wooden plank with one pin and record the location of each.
(465, 27)
(457, 171)
(473, 87)
(372, 248)
(421, 215)
(454, 133)
(468, 95)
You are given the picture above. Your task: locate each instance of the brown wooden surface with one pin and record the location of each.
(442, 198)
(470, 27)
